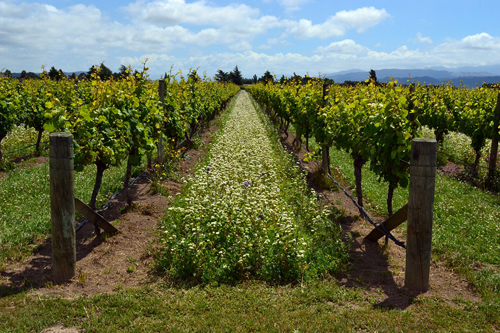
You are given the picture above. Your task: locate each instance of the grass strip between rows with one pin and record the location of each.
(248, 213)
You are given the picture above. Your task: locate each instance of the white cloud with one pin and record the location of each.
(251, 62)
(347, 47)
(273, 42)
(232, 25)
(401, 53)
(478, 49)
(33, 25)
(241, 46)
(172, 12)
(337, 25)
(422, 40)
(82, 35)
(292, 5)
(482, 41)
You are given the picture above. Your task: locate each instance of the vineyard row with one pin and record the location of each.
(376, 124)
(115, 120)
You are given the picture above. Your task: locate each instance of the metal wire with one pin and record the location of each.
(24, 148)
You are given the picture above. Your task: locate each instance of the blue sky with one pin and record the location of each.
(282, 36)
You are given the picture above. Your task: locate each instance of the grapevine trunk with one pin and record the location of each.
(358, 165)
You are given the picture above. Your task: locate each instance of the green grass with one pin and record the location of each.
(25, 205)
(319, 306)
(21, 137)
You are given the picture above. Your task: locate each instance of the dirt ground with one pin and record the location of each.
(108, 264)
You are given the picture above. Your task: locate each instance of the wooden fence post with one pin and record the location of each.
(494, 144)
(420, 213)
(161, 92)
(62, 206)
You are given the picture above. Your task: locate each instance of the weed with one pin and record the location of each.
(6, 165)
(148, 210)
(134, 207)
(118, 287)
(82, 277)
(108, 270)
(28, 191)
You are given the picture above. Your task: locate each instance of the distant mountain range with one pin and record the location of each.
(469, 76)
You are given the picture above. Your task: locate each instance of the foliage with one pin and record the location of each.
(9, 100)
(222, 77)
(109, 120)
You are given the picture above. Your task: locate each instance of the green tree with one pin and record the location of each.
(7, 73)
(373, 76)
(61, 74)
(193, 76)
(123, 71)
(267, 77)
(221, 76)
(53, 73)
(236, 76)
(104, 72)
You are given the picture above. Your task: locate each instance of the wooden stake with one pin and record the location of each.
(62, 206)
(94, 217)
(420, 213)
(390, 224)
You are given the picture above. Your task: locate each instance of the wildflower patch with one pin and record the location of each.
(248, 213)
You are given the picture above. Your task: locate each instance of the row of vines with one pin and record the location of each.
(376, 124)
(112, 121)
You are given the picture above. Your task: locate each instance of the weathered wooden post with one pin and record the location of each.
(420, 213)
(161, 91)
(62, 206)
(494, 144)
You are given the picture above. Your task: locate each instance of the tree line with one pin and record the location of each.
(56, 74)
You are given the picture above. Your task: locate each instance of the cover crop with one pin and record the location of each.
(248, 213)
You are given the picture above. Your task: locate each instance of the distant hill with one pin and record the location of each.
(425, 76)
